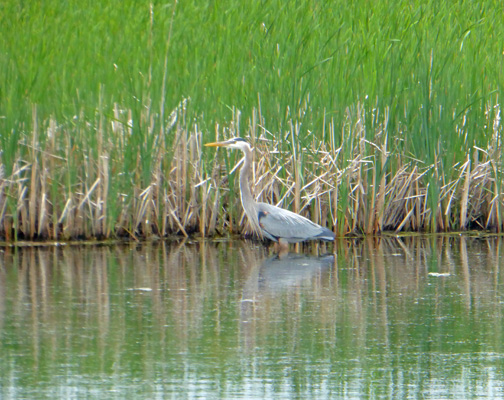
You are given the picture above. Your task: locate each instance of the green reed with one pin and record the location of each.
(104, 109)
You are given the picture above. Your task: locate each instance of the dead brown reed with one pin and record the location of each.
(58, 191)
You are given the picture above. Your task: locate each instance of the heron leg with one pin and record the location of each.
(282, 247)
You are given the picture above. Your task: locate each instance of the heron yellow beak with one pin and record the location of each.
(216, 144)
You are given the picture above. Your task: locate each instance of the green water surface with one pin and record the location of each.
(417, 318)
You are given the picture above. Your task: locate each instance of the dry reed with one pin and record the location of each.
(347, 183)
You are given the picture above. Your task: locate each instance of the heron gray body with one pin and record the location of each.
(267, 220)
(277, 223)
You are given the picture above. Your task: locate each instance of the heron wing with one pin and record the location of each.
(278, 223)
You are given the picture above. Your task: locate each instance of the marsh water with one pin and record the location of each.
(418, 318)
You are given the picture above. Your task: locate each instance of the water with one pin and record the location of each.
(418, 318)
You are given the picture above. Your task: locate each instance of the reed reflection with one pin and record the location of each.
(179, 312)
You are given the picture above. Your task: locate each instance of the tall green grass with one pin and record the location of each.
(104, 107)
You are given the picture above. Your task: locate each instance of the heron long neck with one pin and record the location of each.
(247, 200)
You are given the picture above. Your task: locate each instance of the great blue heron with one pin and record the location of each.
(275, 223)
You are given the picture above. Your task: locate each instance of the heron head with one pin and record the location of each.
(234, 143)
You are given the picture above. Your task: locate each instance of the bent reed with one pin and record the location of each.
(366, 117)
(348, 178)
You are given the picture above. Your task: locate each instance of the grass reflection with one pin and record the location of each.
(388, 317)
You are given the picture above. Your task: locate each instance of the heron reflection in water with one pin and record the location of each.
(274, 276)
(275, 223)
(278, 273)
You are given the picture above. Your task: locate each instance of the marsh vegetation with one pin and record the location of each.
(365, 117)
